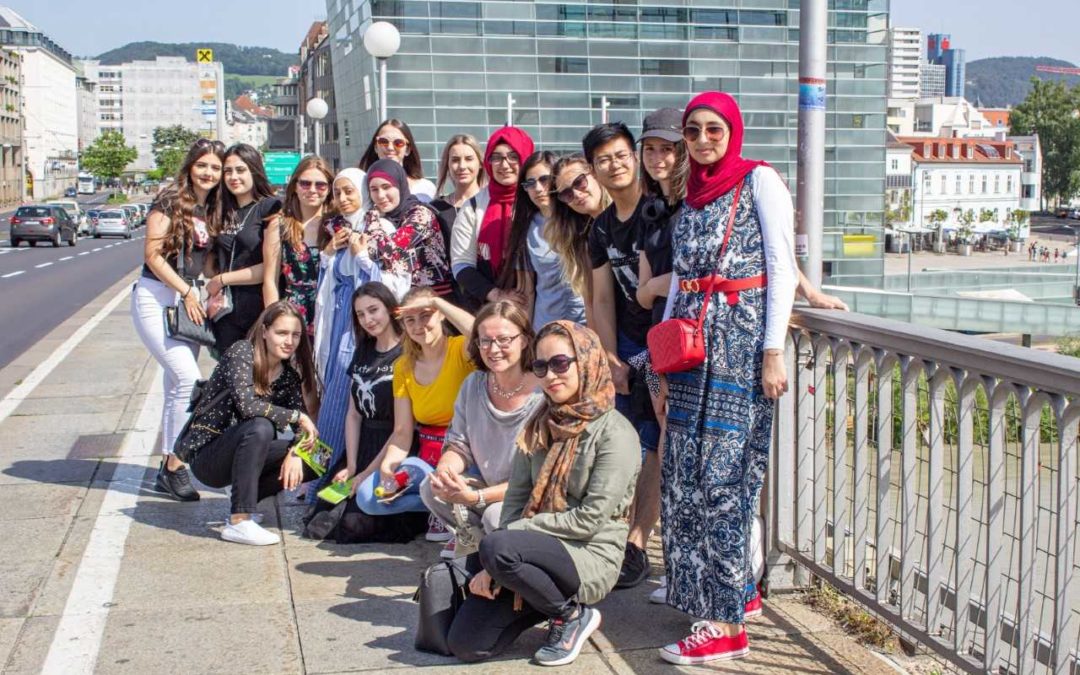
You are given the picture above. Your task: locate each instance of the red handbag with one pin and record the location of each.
(677, 345)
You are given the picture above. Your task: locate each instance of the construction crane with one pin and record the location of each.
(1058, 70)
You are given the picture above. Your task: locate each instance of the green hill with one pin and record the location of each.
(236, 60)
(1005, 81)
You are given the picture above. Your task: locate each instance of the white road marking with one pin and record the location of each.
(77, 640)
(16, 395)
(96, 250)
(11, 274)
(37, 267)
(85, 253)
(67, 257)
(109, 246)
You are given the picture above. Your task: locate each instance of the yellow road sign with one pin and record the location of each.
(204, 55)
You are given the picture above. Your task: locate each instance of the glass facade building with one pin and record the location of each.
(459, 61)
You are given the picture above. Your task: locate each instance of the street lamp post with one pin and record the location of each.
(810, 164)
(510, 101)
(382, 40)
(317, 109)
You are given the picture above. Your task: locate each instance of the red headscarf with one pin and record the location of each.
(709, 181)
(495, 228)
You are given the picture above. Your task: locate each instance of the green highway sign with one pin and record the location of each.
(280, 165)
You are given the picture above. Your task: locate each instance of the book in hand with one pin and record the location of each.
(335, 493)
(317, 457)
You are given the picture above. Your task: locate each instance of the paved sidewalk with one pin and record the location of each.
(100, 574)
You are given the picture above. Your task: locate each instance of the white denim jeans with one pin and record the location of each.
(178, 359)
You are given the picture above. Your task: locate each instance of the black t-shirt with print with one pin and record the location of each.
(616, 242)
(245, 233)
(658, 221)
(372, 382)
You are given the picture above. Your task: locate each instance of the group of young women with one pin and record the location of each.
(476, 350)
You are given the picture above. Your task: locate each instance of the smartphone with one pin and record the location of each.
(331, 229)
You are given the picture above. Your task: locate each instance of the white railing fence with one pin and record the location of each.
(932, 477)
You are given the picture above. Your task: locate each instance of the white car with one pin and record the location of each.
(75, 211)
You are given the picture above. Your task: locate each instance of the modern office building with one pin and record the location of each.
(931, 80)
(558, 61)
(905, 58)
(939, 50)
(86, 91)
(49, 107)
(137, 97)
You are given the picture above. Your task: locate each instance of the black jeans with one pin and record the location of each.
(534, 566)
(247, 456)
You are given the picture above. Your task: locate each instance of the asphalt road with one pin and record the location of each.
(1049, 225)
(43, 286)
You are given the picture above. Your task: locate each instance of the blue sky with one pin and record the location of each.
(89, 27)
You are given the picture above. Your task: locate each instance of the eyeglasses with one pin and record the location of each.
(511, 158)
(604, 162)
(560, 363)
(542, 182)
(503, 341)
(385, 143)
(580, 184)
(714, 132)
(317, 185)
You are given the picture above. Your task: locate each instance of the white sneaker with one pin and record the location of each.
(659, 596)
(437, 531)
(448, 551)
(249, 532)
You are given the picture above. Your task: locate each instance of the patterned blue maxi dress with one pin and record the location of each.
(719, 421)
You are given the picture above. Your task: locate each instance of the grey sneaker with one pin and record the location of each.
(176, 484)
(566, 637)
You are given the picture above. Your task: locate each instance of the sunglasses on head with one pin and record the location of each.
(580, 184)
(559, 364)
(543, 182)
(318, 185)
(207, 143)
(385, 143)
(714, 132)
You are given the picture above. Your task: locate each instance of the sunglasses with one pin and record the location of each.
(385, 143)
(714, 132)
(218, 146)
(317, 185)
(543, 182)
(580, 184)
(559, 364)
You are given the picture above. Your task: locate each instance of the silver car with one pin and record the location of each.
(113, 222)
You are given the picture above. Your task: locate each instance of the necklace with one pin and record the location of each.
(499, 391)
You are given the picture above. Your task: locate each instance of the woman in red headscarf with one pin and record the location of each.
(479, 238)
(733, 254)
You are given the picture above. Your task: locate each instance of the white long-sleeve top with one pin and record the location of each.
(777, 216)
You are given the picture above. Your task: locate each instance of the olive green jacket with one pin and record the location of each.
(598, 494)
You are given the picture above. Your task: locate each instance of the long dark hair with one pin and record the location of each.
(524, 212)
(379, 291)
(292, 231)
(260, 184)
(179, 200)
(414, 168)
(301, 359)
(568, 232)
(679, 173)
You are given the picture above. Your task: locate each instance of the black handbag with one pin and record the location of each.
(197, 406)
(442, 591)
(178, 325)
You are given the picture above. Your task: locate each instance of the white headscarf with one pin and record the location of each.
(359, 180)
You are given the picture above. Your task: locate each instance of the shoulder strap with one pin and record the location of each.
(720, 255)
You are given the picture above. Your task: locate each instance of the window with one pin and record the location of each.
(985, 182)
(665, 67)
(926, 182)
(959, 183)
(1008, 185)
(894, 165)
(563, 64)
(997, 184)
(944, 188)
(971, 184)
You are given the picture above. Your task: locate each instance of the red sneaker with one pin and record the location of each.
(753, 608)
(705, 643)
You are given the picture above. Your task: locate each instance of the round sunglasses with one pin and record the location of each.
(385, 143)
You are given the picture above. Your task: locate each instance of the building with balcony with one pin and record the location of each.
(137, 97)
(459, 61)
(284, 126)
(906, 54)
(49, 107)
(12, 183)
(317, 81)
(1030, 151)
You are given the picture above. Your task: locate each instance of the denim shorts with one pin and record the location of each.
(647, 427)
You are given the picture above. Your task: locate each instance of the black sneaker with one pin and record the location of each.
(176, 484)
(566, 637)
(635, 567)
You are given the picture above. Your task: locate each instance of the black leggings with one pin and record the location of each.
(536, 567)
(247, 456)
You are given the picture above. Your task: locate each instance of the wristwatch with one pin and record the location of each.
(481, 503)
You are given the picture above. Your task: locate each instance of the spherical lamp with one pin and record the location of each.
(382, 39)
(317, 108)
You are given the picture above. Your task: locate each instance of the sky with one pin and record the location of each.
(89, 27)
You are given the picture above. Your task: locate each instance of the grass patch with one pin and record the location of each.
(856, 621)
(253, 81)
(117, 198)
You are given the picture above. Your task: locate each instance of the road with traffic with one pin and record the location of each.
(42, 286)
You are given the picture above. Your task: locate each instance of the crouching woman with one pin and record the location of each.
(562, 534)
(235, 436)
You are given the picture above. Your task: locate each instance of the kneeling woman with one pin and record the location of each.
(235, 435)
(562, 538)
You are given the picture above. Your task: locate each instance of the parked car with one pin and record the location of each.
(75, 211)
(113, 222)
(133, 214)
(42, 222)
(71, 192)
(1061, 212)
(144, 210)
(1075, 214)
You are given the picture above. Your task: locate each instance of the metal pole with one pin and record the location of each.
(317, 138)
(909, 252)
(603, 109)
(509, 109)
(810, 184)
(382, 90)
(1076, 283)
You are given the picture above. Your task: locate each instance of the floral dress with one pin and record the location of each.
(417, 248)
(300, 273)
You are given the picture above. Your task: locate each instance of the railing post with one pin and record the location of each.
(779, 493)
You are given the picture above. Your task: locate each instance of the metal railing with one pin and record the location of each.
(932, 477)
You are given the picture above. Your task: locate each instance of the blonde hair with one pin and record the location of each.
(568, 232)
(410, 350)
(444, 160)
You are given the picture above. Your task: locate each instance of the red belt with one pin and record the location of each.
(718, 284)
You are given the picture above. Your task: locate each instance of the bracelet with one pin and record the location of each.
(481, 503)
(186, 293)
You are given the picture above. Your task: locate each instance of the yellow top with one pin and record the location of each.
(433, 404)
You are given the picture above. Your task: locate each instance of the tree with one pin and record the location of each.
(169, 147)
(108, 155)
(1050, 111)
